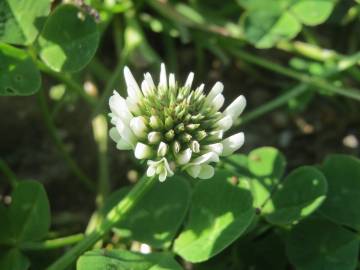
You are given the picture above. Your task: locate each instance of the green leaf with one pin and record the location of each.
(266, 22)
(266, 26)
(220, 213)
(69, 39)
(5, 234)
(312, 12)
(13, 259)
(19, 75)
(125, 260)
(320, 244)
(29, 212)
(21, 21)
(157, 217)
(342, 204)
(237, 163)
(267, 166)
(301, 193)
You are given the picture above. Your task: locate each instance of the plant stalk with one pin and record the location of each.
(116, 214)
(53, 243)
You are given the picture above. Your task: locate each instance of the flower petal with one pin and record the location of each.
(149, 80)
(225, 123)
(163, 79)
(217, 134)
(233, 143)
(138, 126)
(143, 151)
(206, 171)
(236, 107)
(123, 145)
(193, 170)
(119, 107)
(183, 157)
(114, 134)
(145, 88)
(205, 158)
(217, 102)
(125, 132)
(189, 80)
(150, 172)
(133, 88)
(162, 149)
(217, 148)
(172, 82)
(215, 90)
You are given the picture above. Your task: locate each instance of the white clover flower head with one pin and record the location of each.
(174, 127)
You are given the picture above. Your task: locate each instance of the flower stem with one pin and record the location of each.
(116, 214)
(9, 174)
(53, 243)
(59, 144)
(275, 103)
(314, 81)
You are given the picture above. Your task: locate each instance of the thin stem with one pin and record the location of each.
(116, 214)
(53, 243)
(317, 82)
(273, 104)
(9, 174)
(59, 144)
(100, 131)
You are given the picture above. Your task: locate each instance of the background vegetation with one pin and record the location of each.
(297, 63)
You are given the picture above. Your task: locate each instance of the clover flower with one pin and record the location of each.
(174, 127)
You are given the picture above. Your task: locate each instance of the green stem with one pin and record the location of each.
(317, 82)
(9, 174)
(100, 131)
(59, 144)
(116, 214)
(308, 50)
(53, 243)
(273, 104)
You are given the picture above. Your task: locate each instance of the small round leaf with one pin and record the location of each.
(320, 244)
(29, 212)
(267, 166)
(313, 12)
(157, 217)
(19, 75)
(301, 193)
(343, 200)
(69, 39)
(264, 27)
(220, 212)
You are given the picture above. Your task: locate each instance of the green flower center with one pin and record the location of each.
(179, 117)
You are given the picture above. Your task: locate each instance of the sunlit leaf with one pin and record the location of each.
(158, 215)
(125, 260)
(267, 166)
(21, 20)
(69, 39)
(300, 194)
(220, 212)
